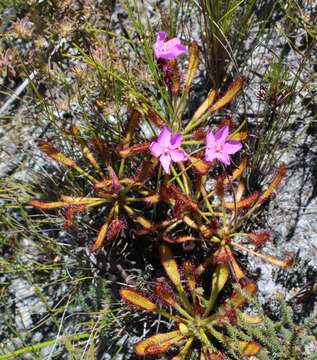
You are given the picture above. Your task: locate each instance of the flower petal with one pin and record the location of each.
(170, 54)
(231, 147)
(158, 46)
(156, 149)
(157, 50)
(210, 139)
(176, 141)
(223, 157)
(178, 155)
(173, 43)
(166, 161)
(210, 155)
(180, 49)
(175, 48)
(164, 139)
(170, 49)
(160, 36)
(222, 134)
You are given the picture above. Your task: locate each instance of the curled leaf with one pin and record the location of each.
(172, 191)
(222, 255)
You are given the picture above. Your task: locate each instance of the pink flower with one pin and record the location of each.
(170, 49)
(167, 148)
(219, 148)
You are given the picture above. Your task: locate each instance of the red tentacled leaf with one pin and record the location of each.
(69, 215)
(259, 238)
(163, 293)
(154, 117)
(116, 228)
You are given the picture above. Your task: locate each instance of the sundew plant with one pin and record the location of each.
(144, 207)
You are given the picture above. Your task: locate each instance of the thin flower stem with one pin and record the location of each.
(185, 179)
(174, 223)
(178, 174)
(205, 197)
(234, 201)
(244, 248)
(192, 124)
(210, 194)
(224, 214)
(203, 215)
(176, 177)
(159, 173)
(237, 234)
(193, 142)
